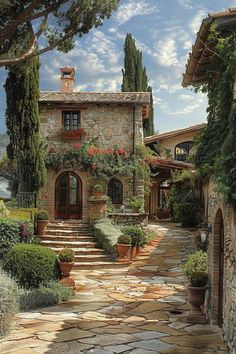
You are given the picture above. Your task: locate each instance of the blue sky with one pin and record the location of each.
(164, 30)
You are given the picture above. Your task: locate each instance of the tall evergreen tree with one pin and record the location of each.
(22, 119)
(135, 78)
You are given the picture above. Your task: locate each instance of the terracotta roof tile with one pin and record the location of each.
(95, 97)
(173, 133)
(200, 57)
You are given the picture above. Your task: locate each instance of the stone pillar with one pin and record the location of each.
(97, 209)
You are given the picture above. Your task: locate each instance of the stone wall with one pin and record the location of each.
(111, 124)
(222, 217)
(129, 218)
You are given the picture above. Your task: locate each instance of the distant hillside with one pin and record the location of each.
(4, 141)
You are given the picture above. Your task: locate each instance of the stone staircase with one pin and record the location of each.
(79, 236)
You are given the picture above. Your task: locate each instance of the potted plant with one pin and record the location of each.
(66, 258)
(136, 203)
(196, 270)
(138, 239)
(42, 221)
(97, 191)
(123, 247)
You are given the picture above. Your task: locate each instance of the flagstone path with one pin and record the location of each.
(137, 309)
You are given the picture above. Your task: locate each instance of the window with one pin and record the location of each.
(115, 191)
(184, 150)
(71, 120)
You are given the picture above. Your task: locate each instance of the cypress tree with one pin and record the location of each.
(135, 78)
(22, 120)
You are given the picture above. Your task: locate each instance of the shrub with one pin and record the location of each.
(9, 235)
(32, 265)
(124, 239)
(184, 205)
(42, 215)
(97, 188)
(9, 295)
(66, 255)
(46, 295)
(196, 268)
(150, 235)
(137, 235)
(106, 235)
(13, 232)
(4, 212)
(25, 233)
(136, 202)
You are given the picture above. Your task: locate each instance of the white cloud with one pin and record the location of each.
(166, 54)
(196, 21)
(134, 8)
(186, 110)
(186, 98)
(171, 88)
(186, 3)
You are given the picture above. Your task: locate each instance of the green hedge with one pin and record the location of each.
(46, 295)
(9, 235)
(32, 265)
(9, 295)
(107, 234)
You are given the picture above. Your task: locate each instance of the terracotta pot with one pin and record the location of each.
(133, 253)
(66, 280)
(97, 194)
(196, 298)
(124, 252)
(66, 268)
(41, 227)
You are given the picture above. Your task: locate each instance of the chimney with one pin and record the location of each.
(67, 79)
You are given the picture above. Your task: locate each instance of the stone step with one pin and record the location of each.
(71, 244)
(69, 232)
(79, 238)
(68, 226)
(69, 221)
(92, 258)
(98, 265)
(82, 251)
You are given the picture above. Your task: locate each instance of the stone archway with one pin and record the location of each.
(217, 271)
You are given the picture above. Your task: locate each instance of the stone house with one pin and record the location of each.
(221, 301)
(176, 146)
(109, 123)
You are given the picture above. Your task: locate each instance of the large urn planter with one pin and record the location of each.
(196, 298)
(123, 251)
(196, 270)
(42, 221)
(66, 257)
(133, 252)
(123, 247)
(97, 191)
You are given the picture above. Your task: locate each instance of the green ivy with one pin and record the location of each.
(98, 161)
(216, 145)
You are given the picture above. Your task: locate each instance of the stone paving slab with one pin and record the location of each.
(140, 309)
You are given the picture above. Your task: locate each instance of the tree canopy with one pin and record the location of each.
(135, 78)
(55, 21)
(22, 119)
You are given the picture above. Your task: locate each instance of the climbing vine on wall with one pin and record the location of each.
(98, 161)
(216, 145)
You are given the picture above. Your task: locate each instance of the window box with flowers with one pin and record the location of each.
(76, 134)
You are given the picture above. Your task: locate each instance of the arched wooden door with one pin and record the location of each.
(68, 201)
